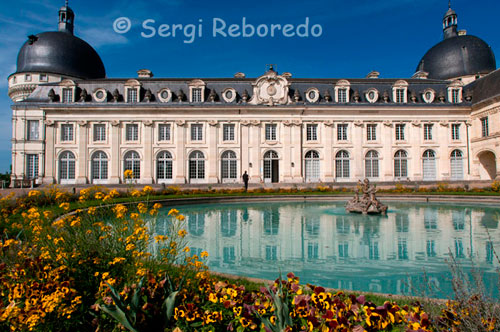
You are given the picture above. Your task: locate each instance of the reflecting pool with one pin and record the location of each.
(324, 245)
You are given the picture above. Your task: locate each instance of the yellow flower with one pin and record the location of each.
(99, 195)
(173, 211)
(34, 193)
(148, 189)
(204, 254)
(128, 174)
(180, 217)
(117, 260)
(156, 206)
(64, 206)
(186, 249)
(92, 210)
(47, 214)
(182, 233)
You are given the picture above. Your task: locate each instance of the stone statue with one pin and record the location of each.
(368, 203)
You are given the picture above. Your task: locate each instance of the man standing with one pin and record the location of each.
(245, 180)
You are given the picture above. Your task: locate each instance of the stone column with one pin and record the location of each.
(256, 175)
(115, 139)
(244, 142)
(386, 138)
(296, 150)
(443, 164)
(50, 158)
(327, 160)
(357, 153)
(180, 152)
(415, 169)
(148, 166)
(82, 152)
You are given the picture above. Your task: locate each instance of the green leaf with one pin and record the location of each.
(118, 315)
(170, 304)
(197, 324)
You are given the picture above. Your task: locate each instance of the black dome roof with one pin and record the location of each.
(458, 56)
(62, 53)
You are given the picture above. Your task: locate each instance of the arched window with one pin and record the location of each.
(67, 166)
(457, 166)
(429, 165)
(99, 166)
(132, 162)
(312, 166)
(342, 164)
(400, 164)
(229, 165)
(164, 166)
(371, 164)
(196, 165)
(271, 166)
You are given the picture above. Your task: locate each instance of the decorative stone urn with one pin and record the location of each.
(368, 204)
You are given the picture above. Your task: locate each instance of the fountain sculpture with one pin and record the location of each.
(368, 204)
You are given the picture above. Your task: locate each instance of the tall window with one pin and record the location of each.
(66, 132)
(455, 131)
(342, 95)
(228, 132)
(196, 97)
(33, 130)
(132, 132)
(371, 132)
(229, 165)
(312, 132)
(196, 132)
(99, 132)
(485, 131)
(132, 95)
(342, 132)
(400, 164)
(270, 159)
(99, 166)
(67, 96)
(429, 165)
(132, 162)
(164, 166)
(312, 166)
(342, 164)
(455, 96)
(371, 164)
(271, 131)
(428, 131)
(400, 132)
(67, 166)
(456, 165)
(196, 165)
(164, 132)
(400, 95)
(31, 166)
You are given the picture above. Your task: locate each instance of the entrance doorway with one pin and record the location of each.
(271, 167)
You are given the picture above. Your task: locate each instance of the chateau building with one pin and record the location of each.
(73, 125)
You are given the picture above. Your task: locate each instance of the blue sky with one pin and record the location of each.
(389, 36)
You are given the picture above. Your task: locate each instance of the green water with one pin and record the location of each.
(325, 246)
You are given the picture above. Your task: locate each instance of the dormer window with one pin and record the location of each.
(43, 78)
(455, 95)
(400, 92)
(196, 95)
(132, 95)
(197, 91)
(342, 91)
(67, 95)
(27, 77)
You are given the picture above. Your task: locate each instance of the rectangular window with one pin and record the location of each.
(431, 248)
(27, 78)
(99, 132)
(164, 132)
(371, 132)
(32, 132)
(67, 95)
(342, 132)
(228, 132)
(312, 132)
(32, 166)
(455, 96)
(270, 132)
(132, 95)
(312, 250)
(400, 132)
(196, 95)
(343, 249)
(400, 96)
(66, 132)
(271, 253)
(373, 251)
(485, 131)
(455, 131)
(427, 131)
(402, 249)
(196, 132)
(132, 132)
(342, 95)
(43, 78)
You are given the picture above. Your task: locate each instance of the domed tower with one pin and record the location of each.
(53, 56)
(458, 55)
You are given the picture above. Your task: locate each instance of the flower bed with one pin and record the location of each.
(102, 269)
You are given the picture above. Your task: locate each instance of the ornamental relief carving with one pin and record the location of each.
(115, 123)
(486, 113)
(148, 123)
(213, 123)
(49, 123)
(444, 123)
(329, 123)
(180, 123)
(271, 89)
(82, 123)
(387, 123)
(290, 123)
(416, 123)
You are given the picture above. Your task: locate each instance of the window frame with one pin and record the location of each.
(196, 132)
(312, 132)
(228, 132)
(399, 129)
(131, 135)
(33, 134)
(455, 131)
(342, 134)
(97, 134)
(485, 130)
(164, 132)
(428, 131)
(67, 132)
(271, 132)
(371, 132)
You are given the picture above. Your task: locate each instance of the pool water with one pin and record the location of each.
(324, 245)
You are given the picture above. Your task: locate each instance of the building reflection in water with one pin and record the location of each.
(324, 246)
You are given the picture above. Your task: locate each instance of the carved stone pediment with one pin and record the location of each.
(270, 89)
